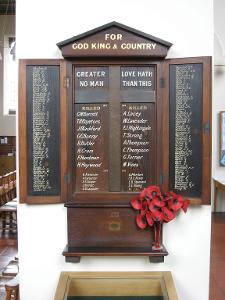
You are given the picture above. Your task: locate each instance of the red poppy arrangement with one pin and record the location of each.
(155, 207)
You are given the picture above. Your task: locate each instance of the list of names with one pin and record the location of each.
(184, 166)
(137, 144)
(41, 130)
(91, 147)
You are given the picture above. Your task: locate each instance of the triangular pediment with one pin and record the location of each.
(114, 40)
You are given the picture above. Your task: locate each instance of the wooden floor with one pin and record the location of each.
(8, 250)
(217, 267)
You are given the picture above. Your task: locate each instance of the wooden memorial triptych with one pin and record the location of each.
(111, 118)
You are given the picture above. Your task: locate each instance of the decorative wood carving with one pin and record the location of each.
(114, 40)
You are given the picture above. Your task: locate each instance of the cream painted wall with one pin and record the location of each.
(188, 24)
(7, 123)
(219, 93)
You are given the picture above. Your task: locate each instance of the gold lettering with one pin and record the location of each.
(100, 46)
(80, 46)
(114, 214)
(113, 36)
(138, 46)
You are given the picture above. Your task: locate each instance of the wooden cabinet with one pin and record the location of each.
(7, 164)
(7, 145)
(7, 154)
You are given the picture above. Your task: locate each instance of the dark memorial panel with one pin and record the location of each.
(114, 139)
(43, 130)
(137, 77)
(88, 79)
(91, 147)
(138, 145)
(137, 83)
(186, 92)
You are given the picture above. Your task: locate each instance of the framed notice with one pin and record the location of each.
(222, 139)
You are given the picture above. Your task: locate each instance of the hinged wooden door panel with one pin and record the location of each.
(188, 136)
(42, 131)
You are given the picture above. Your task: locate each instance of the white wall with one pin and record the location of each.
(188, 24)
(219, 92)
(7, 123)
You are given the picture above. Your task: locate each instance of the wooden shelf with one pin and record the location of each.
(9, 147)
(7, 164)
(73, 254)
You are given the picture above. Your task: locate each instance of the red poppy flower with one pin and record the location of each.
(168, 215)
(157, 216)
(144, 207)
(152, 191)
(170, 195)
(175, 204)
(185, 205)
(152, 207)
(141, 221)
(158, 201)
(136, 203)
(149, 218)
(142, 194)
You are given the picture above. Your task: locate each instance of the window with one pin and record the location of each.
(10, 75)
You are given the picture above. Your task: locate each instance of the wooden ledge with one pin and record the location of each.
(111, 199)
(73, 254)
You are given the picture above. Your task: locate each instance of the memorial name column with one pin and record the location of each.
(185, 129)
(91, 129)
(137, 127)
(43, 130)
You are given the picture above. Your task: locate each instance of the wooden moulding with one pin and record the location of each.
(116, 284)
(73, 254)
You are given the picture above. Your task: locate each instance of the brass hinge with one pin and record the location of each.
(67, 178)
(206, 127)
(66, 82)
(161, 83)
(161, 178)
